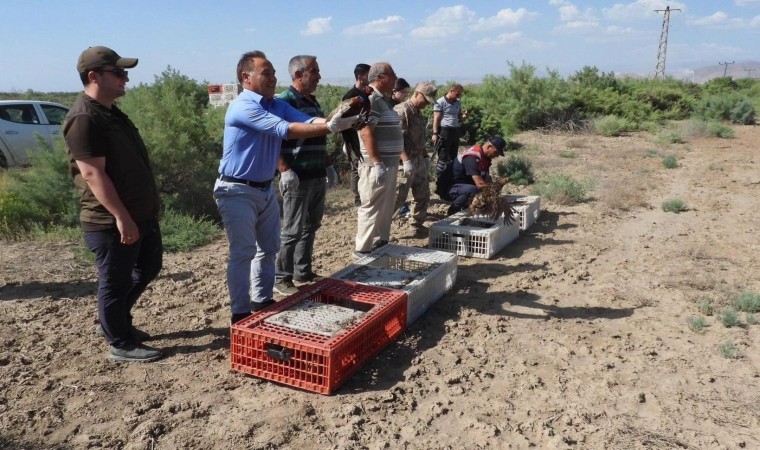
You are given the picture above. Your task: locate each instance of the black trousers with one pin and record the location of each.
(124, 272)
(450, 148)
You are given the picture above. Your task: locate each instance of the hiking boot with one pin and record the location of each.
(379, 244)
(310, 277)
(134, 353)
(136, 334)
(258, 306)
(238, 317)
(285, 287)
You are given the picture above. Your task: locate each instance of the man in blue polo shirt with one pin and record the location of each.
(255, 125)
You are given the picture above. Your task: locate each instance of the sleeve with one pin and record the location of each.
(470, 166)
(84, 138)
(437, 107)
(374, 114)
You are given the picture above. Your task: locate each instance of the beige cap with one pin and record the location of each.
(427, 90)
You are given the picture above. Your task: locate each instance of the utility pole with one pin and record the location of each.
(725, 69)
(662, 50)
(749, 74)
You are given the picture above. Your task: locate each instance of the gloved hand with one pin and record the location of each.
(332, 177)
(408, 168)
(288, 180)
(338, 123)
(381, 172)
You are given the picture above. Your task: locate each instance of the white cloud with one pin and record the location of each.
(578, 26)
(389, 25)
(319, 25)
(639, 9)
(448, 21)
(502, 39)
(718, 18)
(755, 23)
(746, 2)
(505, 17)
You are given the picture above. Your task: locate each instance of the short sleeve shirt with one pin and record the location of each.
(449, 111)
(91, 130)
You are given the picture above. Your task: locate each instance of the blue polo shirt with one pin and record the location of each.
(254, 128)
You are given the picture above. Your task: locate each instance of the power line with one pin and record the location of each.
(662, 50)
(749, 74)
(725, 69)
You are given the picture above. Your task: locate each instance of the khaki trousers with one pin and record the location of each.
(375, 214)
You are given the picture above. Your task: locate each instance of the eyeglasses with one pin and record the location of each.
(120, 73)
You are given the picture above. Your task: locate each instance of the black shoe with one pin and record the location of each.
(379, 244)
(258, 306)
(136, 334)
(310, 277)
(134, 353)
(285, 287)
(238, 317)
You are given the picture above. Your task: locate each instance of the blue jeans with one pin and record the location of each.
(251, 218)
(461, 194)
(124, 272)
(302, 211)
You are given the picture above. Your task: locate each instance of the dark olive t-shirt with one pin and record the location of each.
(92, 130)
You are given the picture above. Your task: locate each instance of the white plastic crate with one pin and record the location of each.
(477, 236)
(425, 275)
(527, 208)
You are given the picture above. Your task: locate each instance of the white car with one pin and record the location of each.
(20, 121)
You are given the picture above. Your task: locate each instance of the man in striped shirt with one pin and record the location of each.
(381, 143)
(303, 206)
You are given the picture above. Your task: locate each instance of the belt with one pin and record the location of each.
(255, 184)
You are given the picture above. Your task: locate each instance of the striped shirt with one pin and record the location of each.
(388, 138)
(307, 157)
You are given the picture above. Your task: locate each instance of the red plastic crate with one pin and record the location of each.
(312, 361)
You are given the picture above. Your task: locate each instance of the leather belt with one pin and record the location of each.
(255, 184)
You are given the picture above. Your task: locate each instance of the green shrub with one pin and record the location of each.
(674, 205)
(751, 319)
(670, 162)
(184, 139)
(729, 318)
(743, 112)
(611, 125)
(717, 129)
(670, 137)
(705, 307)
(696, 323)
(518, 169)
(182, 232)
(562, 189)
(748, 301)
(728, 350)
(652, 153)
(567, 154)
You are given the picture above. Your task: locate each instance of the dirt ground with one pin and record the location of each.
(574, 336)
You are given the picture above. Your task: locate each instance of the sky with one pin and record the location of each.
(423, 40)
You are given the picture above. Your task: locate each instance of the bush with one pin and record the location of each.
(743, 112)
(184, 139)
(181, 232)
(518, 169)
(696, 323)
(39, 196)
(748, 301)
(562, 189)
(670, 162)
(705, 307)
(729, 318)
(728, 350)
(675, 205)
(717, 129)
(611, 125)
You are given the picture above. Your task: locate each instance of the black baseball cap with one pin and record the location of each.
(99, 56)
(499, 143)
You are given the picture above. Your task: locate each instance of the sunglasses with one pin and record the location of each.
(120, 73)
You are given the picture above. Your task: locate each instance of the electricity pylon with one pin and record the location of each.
(662, 50)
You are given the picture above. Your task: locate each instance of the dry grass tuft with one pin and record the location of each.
(623, 194)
